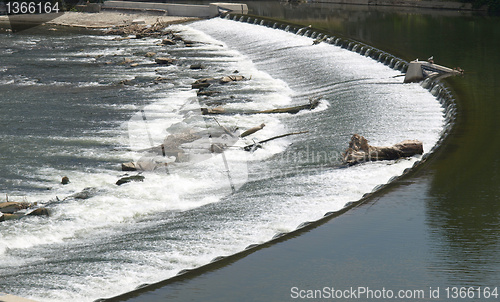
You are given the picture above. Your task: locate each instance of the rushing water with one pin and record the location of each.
(66, 112)
(434, 230)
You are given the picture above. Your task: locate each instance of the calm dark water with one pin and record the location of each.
(438, 228)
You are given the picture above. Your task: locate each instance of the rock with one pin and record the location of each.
(188, 43)
(167, 41)
(138, 21)
(127, 61)
(134, 65)
(207, 92)
(129, 167)
(148, 163)
(65, 180)
(160, 80)
(203, 83)
(164, 61)
(12, 207)
(150, 54)
(231, 78)
(39, 212)
(84, 194)
(126, 82)
(360, 151)
(127, 179)
(196, 66)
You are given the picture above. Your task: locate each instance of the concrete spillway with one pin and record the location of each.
(185, 10)
(419, 70)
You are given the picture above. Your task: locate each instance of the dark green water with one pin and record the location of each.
(437, 228)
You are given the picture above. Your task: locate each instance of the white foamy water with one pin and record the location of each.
(108, 239)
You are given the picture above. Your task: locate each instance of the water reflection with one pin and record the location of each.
(464, 221)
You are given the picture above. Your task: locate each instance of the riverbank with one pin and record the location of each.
(105, 19)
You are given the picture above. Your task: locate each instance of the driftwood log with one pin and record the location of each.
(360, 151)
(10, 210)
(254, 146)
(252, 130)
(291, 110)
(140, 30)
(11, 207)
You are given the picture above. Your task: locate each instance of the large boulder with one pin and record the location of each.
(360, 151)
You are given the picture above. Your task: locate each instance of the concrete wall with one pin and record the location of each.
(240, 8)
(184, 10)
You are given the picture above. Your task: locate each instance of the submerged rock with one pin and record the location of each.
(205, 82)
(84, 194)
(196, 66)
(231, 78)
(203, 92)
(127, 179)
(164, 61)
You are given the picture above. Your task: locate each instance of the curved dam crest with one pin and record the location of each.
(286, 184)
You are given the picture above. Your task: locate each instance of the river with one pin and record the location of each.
(434, 234)
(422, 231)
